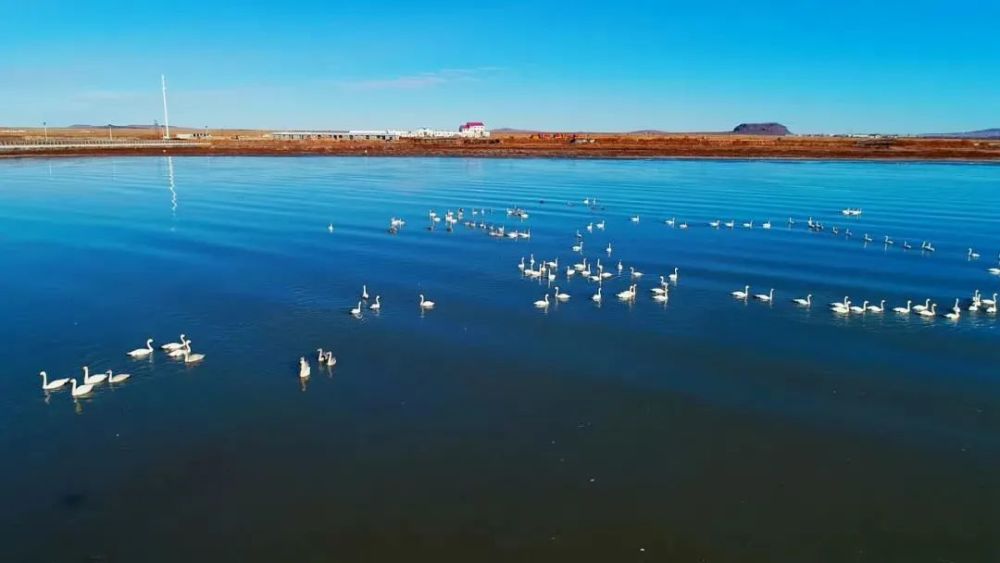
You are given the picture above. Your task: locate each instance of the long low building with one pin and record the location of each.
(336, 135)
(468, 130)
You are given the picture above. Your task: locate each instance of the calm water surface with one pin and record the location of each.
(705, 429)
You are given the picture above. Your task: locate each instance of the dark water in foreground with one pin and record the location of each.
(706, 429)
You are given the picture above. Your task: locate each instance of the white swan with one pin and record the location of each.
(424, 304)
(329, 359)
(608, 250)
(356, 311)
(904, 310)
(543, 303)
(954, 315)
(973, 255)
(766, 225)
(749, 224)
(364, 292)
(670, 222)
(81, 390)
(765, 297)
(179, 353)
(597, 296)
(620, 267)
(989, 302)
(142, 352)
(661, 297)
(673, 277)
(190, 358)
(173, 345)
(922, 308)
(659, 290)
(320, 355)
(859, 310)
(846, 302)
(635, 218)
(521, 265)
(304, 368)
(117, 378)
(628, 293)
(877, 308)
(955, 308)
(54, 384)
(570, 271)
(561, 296)
(714, 224)
(729, 224)
(600, 226)
(88, 380)
(932, 312)
(741, 294)
(994, 271)
(377, 304)
(635, 273)
(841, 308)
(807, 302)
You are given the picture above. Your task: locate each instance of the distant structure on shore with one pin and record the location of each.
(761, 129)
(468, 130)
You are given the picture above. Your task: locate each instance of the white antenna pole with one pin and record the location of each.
(166, 118)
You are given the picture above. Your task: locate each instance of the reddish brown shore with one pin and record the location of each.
(253, 143)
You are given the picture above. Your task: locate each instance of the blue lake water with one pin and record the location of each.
(705, 428)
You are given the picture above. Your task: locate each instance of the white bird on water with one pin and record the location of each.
(741, 294)
(877, 308)
(805, 302)
(425, 304)
(304, 368)
(597, 296)
(81, 390)
(543, 303)
(170, 347)
(765, 297)
(364, 292)
(190, 358)
(673, 277)
(904, 310)
(561, 296)
(377, 305)
(142, 352)
(54, 384)
(117, 378)
(93, 380)
(356, 311)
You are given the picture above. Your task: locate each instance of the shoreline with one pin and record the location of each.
(718, 147)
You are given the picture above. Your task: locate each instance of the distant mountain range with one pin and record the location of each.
(981, 134)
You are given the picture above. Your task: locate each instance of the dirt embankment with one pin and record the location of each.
(576, 146)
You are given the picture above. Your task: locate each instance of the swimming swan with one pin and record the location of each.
(88, 380)
(117, 378)
(424, 304)
(142, 352)
(54, 384)
(82, 389)
(173, 345)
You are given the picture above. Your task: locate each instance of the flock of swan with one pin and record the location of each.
(847, 307)
(176, 350)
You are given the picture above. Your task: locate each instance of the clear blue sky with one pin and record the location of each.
(903, 67)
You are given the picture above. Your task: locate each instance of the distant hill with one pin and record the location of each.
(981, 134)
(761, 129)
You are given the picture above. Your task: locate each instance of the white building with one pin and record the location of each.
(473, 129)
